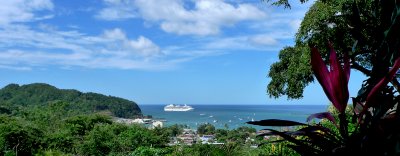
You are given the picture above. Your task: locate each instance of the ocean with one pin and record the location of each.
(232, 116)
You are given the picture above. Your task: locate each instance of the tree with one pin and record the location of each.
(365, 29)
(149, 151)
(18, 137)
(206, 129)
(99, 141)
(175, 129)
(80, 125)
(366, 37)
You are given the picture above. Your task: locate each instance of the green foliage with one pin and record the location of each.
(18, 137)
(291, 74)
(206, 129)
(58, 127)
(51, 153)
(80, 125)
(357, 27)
(95, 134)
(351, 122)
(149, 151)
(15, 97)
(280, 148)
(284, 3)
(238, 135)
(175, 129)
(206, 150)
(99, 141)
(368, 31)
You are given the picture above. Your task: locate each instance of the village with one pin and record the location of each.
(208, 135)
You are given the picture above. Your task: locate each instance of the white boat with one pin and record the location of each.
(178, 108)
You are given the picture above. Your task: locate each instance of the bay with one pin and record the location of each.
(232, 116)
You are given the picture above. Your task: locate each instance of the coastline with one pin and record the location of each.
(231, 116)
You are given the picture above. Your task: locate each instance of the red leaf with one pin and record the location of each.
(385, 80)
(335, 81)
(321, 73)
(323, 115)
(335, 75)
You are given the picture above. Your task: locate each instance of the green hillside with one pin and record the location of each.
(14, 97)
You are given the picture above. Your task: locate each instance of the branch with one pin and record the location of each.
(361, 68)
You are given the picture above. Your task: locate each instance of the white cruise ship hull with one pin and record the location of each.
(177, 108)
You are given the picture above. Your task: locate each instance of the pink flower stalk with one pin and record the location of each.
(333, 81)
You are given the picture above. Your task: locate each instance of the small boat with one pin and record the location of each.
(230, 121)
(240, 119)
(202, 114)
(215, 121)
(252, 119)
(211, 116)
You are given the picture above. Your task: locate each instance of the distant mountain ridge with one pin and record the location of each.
(41, 94)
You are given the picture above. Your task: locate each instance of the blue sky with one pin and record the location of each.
(152, 51)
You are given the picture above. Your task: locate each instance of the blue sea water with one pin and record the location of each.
(232, 115)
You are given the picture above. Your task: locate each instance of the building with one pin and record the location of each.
(157, 124)
(206, 139)
(187, 137)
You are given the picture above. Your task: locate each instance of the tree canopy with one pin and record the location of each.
(364, 29)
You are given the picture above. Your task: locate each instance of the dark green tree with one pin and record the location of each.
(19, 137)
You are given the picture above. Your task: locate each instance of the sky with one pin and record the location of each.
(152, 51)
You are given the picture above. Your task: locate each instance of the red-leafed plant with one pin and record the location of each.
(377, 120)
(375, 110)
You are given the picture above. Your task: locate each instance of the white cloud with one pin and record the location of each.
(15, 68)
(115, 34)
(266, 40)
(260, 42)
(205, 17)
(142, 46)
(22, 48)
(117, 10)
(23, 10)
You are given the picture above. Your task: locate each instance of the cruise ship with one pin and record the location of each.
(179, 108)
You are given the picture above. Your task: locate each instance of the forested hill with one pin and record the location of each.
(14, 97)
